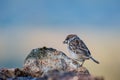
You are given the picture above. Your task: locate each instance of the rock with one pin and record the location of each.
(6, 73)
(12, 73)
(81, 74)
(20, 74)
(48, 64)
(45, 59)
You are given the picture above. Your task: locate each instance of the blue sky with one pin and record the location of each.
(59, 12)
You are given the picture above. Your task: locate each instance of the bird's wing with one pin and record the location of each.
(84, 47)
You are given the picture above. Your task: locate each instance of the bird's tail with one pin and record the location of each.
(94, 60)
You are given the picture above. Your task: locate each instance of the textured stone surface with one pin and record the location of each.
(48, 64)
(46, 59)
(19, 74)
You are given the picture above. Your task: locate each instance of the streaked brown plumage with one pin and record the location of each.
(78, 49)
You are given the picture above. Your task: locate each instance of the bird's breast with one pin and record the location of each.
(73, 55)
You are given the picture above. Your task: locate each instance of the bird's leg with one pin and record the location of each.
(79, 62)
(82, 63)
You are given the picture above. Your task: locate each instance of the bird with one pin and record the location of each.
(78, 49)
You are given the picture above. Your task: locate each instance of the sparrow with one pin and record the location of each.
(78, 49)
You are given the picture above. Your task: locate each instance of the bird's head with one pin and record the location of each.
(69, 38)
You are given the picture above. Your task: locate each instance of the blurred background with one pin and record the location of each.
(29, 24)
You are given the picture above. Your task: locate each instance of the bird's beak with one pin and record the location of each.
(65, 42)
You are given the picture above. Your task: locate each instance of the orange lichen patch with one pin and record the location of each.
(56, 53)
(82, 69)
(43, 62)
(56, 60)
